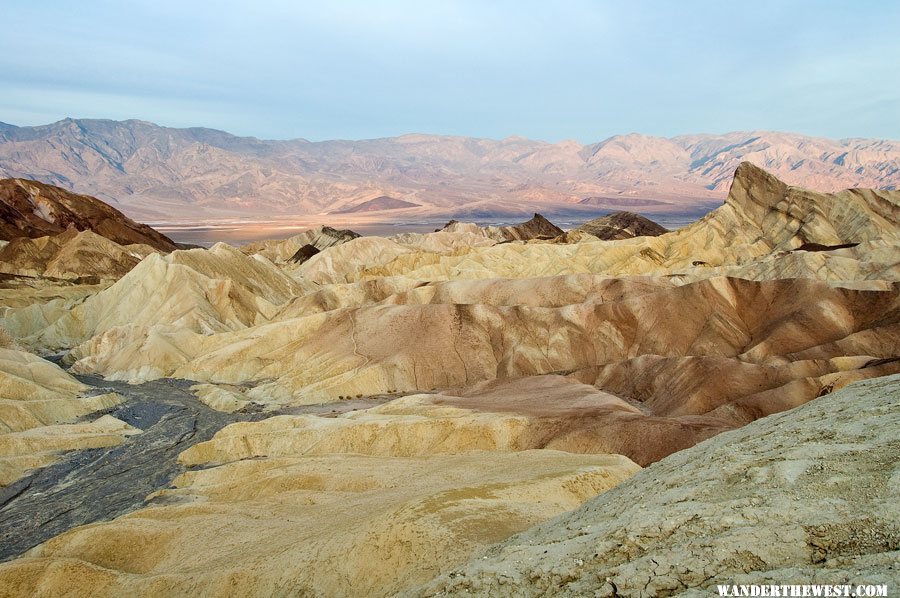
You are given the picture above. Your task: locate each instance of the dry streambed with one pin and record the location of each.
(91, 485)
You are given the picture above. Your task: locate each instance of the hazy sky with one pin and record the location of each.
(547, 70)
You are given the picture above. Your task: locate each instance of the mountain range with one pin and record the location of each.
(160, 174)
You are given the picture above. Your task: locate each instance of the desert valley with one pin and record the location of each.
(427, 299)
(607, 409)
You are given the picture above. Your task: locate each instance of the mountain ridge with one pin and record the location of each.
(153, 172)
(33, 209)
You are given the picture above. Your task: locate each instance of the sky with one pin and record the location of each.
(546, 70)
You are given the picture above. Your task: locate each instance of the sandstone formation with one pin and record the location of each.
(374, 349)
(807, 496)
(27, 291)
(220, 398)
(163, 173)
(184, 293)
(32, 209)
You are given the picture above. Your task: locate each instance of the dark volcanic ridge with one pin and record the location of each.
(303, 254)
(538, 227)
(622, 225)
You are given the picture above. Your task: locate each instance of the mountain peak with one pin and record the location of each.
(622, 225)
(788, 217)
(752, 182)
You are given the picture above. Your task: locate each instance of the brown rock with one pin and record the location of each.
(622, 225)
(32, 209)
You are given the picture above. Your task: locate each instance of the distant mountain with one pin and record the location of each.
(378, 204)
(159, 173)
(619, 202)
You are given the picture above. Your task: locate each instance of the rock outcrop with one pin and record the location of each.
(536, 228)
(319, 238)
(71, 255)
(622, 225)
(186, 292)
(32, 209)
(807, 496)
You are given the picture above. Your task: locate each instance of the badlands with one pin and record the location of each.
(610, 410)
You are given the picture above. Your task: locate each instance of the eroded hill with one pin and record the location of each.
(502, 376)
(32, 209)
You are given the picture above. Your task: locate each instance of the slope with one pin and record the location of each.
(804, 496)
(193, 174)
(32, 209)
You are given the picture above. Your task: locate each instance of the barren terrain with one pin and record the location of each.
(161, 174)
(614, 409)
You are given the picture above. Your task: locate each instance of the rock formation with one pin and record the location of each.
(52, 233)
(32, 209)
(39, 407)
(750, 236)
(622, 225)
(71, 255)
(501, 376)
(361, 318)
(372, 349)
(807, 496)
(536, 228)
(380, 524)
(319, 238)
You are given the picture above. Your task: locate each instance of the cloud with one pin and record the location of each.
(581, 70)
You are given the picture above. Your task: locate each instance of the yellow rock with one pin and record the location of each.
(36, 398)
(335, 524)
(220, 398)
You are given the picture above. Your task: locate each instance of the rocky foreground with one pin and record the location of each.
(357, 415)
(806, 496)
